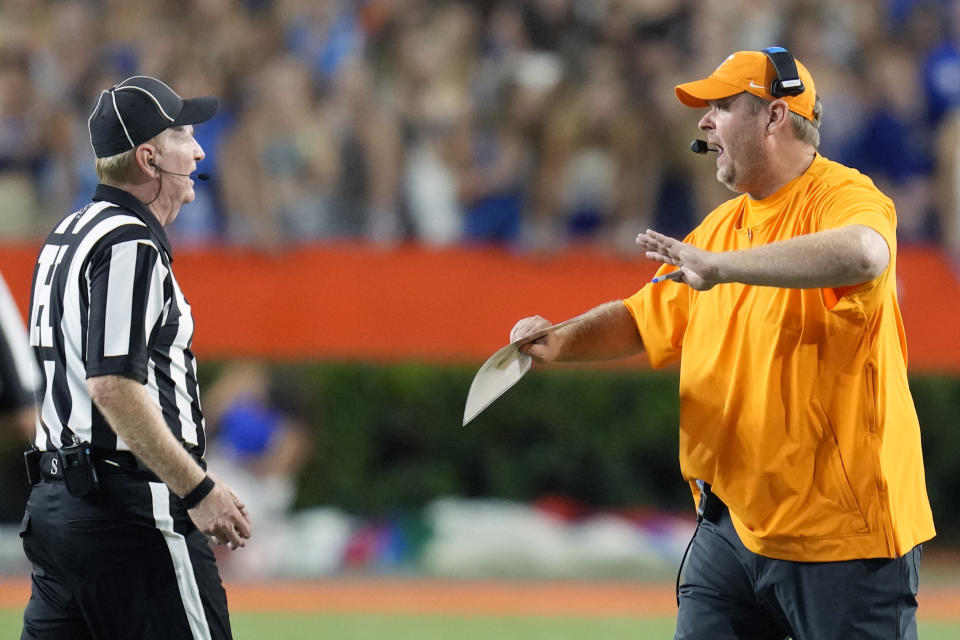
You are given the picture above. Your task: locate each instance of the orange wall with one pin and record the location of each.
(357, 302)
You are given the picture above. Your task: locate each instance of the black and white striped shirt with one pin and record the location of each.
(105, 302)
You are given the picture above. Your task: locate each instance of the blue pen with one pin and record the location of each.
(673, 275)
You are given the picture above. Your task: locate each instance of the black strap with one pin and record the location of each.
(199, 492)
(787, 82)
(684, 558)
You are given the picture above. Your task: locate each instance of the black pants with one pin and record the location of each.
(731, 593)
(124, 562)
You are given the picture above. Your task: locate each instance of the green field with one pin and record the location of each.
(296, 626)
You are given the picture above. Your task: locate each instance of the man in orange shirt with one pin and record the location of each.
(798, 433)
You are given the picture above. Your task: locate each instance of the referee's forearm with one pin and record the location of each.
(133, 416)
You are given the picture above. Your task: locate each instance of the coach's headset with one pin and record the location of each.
(787, 82)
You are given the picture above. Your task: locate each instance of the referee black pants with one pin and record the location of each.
(123, 563)
(730, 593)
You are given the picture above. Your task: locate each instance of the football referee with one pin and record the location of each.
(121, 506)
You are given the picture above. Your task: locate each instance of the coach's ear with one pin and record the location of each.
(779, 115)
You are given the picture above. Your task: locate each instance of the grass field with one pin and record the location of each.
(296, 626)
(423, 609)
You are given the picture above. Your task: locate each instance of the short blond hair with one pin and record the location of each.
(803, 129)
(116, 169)
(121, 168)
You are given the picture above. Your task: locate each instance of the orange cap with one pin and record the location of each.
(748, 71)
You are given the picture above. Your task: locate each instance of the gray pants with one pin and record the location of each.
(730, 593)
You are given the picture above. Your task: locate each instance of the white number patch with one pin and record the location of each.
(41, 331)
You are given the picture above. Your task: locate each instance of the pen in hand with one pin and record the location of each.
(673, 275)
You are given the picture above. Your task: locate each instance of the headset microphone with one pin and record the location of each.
(199, 176)
(701, 146)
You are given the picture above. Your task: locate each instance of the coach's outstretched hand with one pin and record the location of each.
(222, 516)
(698, 267)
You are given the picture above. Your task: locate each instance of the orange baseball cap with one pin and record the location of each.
(749, 71)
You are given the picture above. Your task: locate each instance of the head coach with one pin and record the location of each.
(798, 433)
(121, 505)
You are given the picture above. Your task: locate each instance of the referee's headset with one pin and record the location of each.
(200, 176)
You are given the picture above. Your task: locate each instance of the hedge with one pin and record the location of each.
(388, 438)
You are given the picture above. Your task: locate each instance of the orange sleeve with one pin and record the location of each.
(661, 312)
(860, 205)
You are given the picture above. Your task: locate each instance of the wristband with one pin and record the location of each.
(198, 493)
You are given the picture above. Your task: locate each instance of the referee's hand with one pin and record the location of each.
(222, 516)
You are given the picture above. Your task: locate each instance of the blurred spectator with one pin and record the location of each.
(948, 183)
(284, 161)
(941, 66)
(258, 445)
(366, 198)
(495, 169)
(586, 187)
(21, 150)
(436, 57)
(893, 144)
(678, 187)
(323, 35)
(542, 122)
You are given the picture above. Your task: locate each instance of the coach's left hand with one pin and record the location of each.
(699, 267)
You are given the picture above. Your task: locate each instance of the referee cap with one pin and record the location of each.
(749, 71)
(139, 108)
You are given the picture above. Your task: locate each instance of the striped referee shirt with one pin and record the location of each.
(105, 302)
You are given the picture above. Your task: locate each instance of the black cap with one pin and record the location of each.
(139, 108)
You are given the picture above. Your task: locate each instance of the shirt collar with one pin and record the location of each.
(124, 199)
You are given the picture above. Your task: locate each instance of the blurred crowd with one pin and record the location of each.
(533, 124)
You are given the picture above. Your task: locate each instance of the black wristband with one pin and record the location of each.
(199, 492)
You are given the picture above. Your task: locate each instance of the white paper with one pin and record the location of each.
(501, 371)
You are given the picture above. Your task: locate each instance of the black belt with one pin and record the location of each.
(710, 506)
(106, 463)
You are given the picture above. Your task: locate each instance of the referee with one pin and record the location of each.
(117, 521)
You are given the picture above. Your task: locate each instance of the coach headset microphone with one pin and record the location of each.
(787, 83)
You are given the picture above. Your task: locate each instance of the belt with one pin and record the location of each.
(710, 507)
(105, 462)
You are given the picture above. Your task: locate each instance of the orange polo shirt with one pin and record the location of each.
(794, 403)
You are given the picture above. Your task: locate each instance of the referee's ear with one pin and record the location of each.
(146, 160)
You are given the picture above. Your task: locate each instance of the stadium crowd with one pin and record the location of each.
(534, 124)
